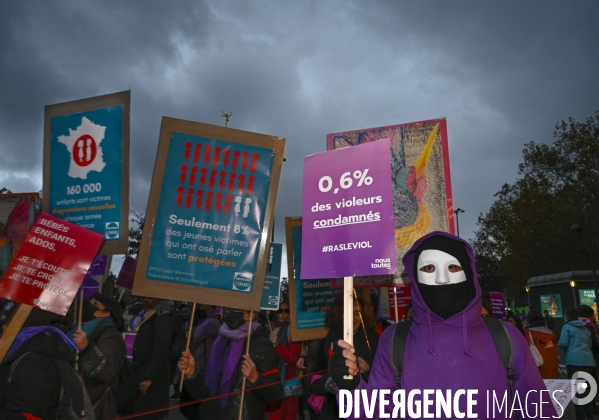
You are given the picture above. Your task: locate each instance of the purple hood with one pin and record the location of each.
(470, 315)
(457, 353)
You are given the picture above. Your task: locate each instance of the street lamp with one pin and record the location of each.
(577, 229)
(457, 219)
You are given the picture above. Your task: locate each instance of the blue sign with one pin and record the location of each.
(272, 281)
(210, 216)
(313, 298)
(86, 161)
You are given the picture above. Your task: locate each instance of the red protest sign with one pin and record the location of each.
(51, 264)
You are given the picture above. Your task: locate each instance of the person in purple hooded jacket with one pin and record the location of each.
(448, 347)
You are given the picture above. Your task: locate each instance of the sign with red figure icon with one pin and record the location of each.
(209, 216)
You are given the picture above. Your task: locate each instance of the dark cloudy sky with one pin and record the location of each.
(503, 73)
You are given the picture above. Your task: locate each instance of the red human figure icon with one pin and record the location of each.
(216, 157)
(183, 172)
(250, 184)
(200, 193)
(206, 155)
(255, 157)
(189, 198)
(241, 178)
(196, 153)
(187, 150)
(203, 171)
(180, 196)
(209, 201)
(217, 206)
(192, 177)
(235, 158)
(231, 182)
(212, 178)
(228, 203)
(244, 163)
(221, 183)
(226, 152)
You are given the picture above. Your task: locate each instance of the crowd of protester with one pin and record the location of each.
(85, 371)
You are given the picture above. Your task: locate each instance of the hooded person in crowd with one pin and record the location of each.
(102, 351)
(577, 342)
(37, 370)
(449, 346)
(228, 365)
(151, 356)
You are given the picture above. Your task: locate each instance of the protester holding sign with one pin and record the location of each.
(289, 352)
(449, 346)
(228, 366)
(101, 352)
(151, 354)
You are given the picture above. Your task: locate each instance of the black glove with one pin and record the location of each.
(338, 369)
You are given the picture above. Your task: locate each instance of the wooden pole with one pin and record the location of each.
(80, 314)
(348, 312)
(189, 334)
(121, 295)
(395, 300)
(247, 351)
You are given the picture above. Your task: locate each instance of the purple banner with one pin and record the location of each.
(90, 284)
(497, 305)
(347, 212)
(127, 273)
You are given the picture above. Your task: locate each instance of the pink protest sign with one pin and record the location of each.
(50, 265)
(347, 227)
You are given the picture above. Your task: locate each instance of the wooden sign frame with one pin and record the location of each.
(120, 246)
(191, 293)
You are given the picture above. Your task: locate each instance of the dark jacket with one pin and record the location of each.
(151, 359)
(99, 365)
(330, 409)
(37, 378)
(267, 361)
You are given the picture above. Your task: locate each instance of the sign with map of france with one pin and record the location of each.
(86, 166)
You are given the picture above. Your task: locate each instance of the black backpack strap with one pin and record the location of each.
(505, 347)
(398, 347)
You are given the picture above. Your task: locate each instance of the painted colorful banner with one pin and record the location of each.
(209, 215)
(50, 266)
(497, 305)
(553, 304)
(86, 166)
(420, 175)
(587, 297)
(127, 274)
(309, 299)
(347, 213)
(272, 282)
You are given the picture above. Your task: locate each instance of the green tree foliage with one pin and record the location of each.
(527, 230)
(136, 227)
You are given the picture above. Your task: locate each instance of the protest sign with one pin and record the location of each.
(309, 300)
(388, 296)
(127, 273)
(86, 166)
(562, 391)
(94, 277)
(497, 305)
(587, 297)
(420, 175)
(272, 282)
(210, 211)
(347, 213)
(552, 304)
(50, 266)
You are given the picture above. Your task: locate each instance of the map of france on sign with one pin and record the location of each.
(84, 146)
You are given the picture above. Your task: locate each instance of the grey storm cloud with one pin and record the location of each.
(502, 73)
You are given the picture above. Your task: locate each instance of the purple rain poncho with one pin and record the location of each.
(457, 353)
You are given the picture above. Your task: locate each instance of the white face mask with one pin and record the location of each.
(437, 268)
